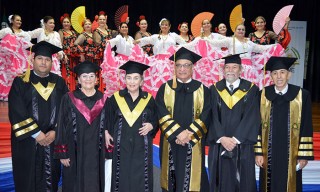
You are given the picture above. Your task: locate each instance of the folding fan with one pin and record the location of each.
(280, 19)
(77, 17)
(121, 15)
(196, 23)
(235, 17)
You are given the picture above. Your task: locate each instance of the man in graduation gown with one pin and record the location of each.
(234, 130)
(183, 106)
(34, 101)
(80, 143)
(285, 142)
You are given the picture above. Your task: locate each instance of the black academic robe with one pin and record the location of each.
(279, 144)
(233, 115)
(80, 137)
(34, 168)
(132, 163)
(183, 167)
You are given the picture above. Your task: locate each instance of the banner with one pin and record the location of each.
(297, 48)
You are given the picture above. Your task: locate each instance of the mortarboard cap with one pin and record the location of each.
(232, 59)
(86, 67)
(275, 63)
(45, 49)
(134, 67)
(184, 53)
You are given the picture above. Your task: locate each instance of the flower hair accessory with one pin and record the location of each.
(41, 23)
(66, 15)
(10, 18)
(253, 24)
(163, 19)
(179, 26)
(216, 29)
(142, 17)
(102, 13)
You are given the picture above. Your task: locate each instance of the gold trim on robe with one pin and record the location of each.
(306, 139)
(295, 122)
(164, 118)
(22, 123)
(26, 130)
(195, 173)
(232, 100)
(131, 116)
(45, 92)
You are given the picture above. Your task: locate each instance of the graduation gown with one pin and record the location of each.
(185, 107)
(34, 107)
(281, 140)
(234, 115)
(132, 163)
(80, 137)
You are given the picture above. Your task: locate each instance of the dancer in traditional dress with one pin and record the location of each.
(46, 33)
(13, 54)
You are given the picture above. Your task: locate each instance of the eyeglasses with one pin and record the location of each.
(90, 77)
(186, 66)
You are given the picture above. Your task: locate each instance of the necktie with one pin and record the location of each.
(280, 93)
(231, 88)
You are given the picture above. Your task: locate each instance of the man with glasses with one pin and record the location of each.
(183, 105)
(234, 129)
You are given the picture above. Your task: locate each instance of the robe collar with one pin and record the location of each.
(189, 87)
(43, 80)
(80, 95)
(243, 86)
(289, 96)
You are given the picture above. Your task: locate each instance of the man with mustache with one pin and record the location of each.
(233, 131)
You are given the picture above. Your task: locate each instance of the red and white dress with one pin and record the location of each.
(13, 58)
(253, 60)
(161, 68)
(208, 69)
(113, 77)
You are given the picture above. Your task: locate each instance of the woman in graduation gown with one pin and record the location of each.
(132, 123)
(80, 143)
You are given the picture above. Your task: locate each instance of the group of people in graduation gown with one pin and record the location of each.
(87, 124)
(34, 102)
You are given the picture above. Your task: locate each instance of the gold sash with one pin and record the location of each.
(232, 100)
(45, 92)
(131, 116)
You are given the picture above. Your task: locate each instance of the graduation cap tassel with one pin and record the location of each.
(174, 82)
(26, 75)
(264, 75)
